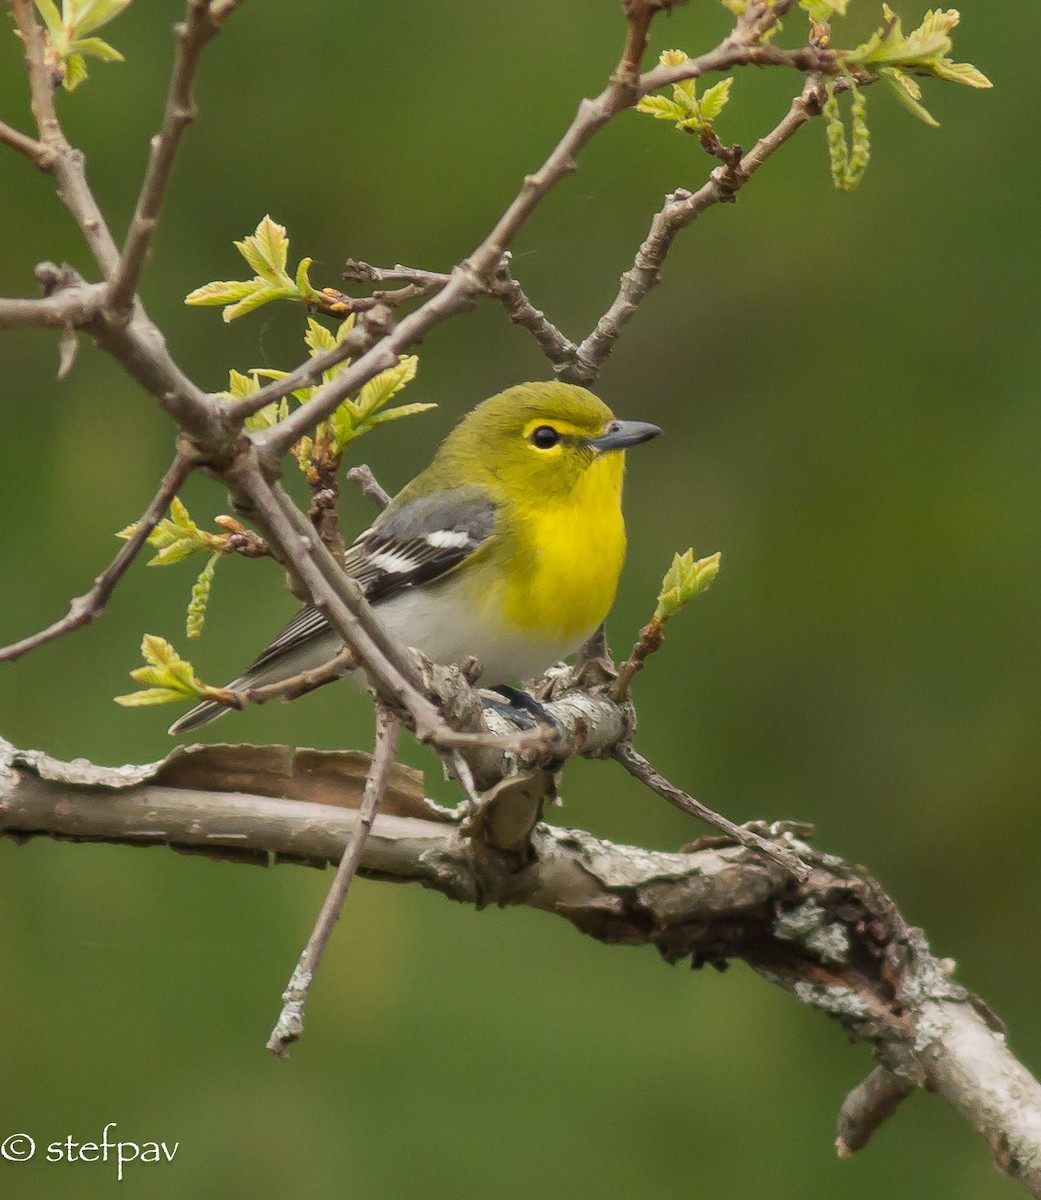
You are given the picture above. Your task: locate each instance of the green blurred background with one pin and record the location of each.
(848, 385)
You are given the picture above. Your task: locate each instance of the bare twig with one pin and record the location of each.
(502, 287)
(641, 769)
(290, 1024)
(649, 640)
(681, 209)
(88, 607)
(476, 274)
(370, 486)
(868, 1106)
(370, 328)
(23, 143)
(72, 307)
(198, 27)
(136, 344)
(59, 158)
(363, 272)
(557, 348)
(290, 688)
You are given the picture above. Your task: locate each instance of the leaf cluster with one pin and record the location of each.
(684, 580)
(689, 112)
(67, 46)
(893, 56)
(167, 677)
(355, 416)
(266, 250)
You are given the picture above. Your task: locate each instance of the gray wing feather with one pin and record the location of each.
(412, 543)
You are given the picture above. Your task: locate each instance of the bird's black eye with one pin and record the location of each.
(545, 437)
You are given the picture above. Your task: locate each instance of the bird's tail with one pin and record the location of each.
(306, 642)
(201, 714)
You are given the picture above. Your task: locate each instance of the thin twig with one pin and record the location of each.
(32, 149)
(363, 272)
(557, 348)
(289, 688)
(41, 81)
(868, 1106)
(371, 326)
(137, 345)
(71, 307)
(649, 640)
(88, 607)
(290, 1024)
(476, 273)
(198, 27)
(681, 209)
(641, 769)
(370, 486)
(64, 163)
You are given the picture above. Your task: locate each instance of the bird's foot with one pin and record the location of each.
(520, 708)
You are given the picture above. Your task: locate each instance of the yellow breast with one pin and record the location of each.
(567, 555)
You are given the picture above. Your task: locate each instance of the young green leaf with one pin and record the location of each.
(684, 580)
(714, 100)
(266, 250)
(166, 676)
(687, 112)
(824, 10)
(923, 51)
(662, 108)
(177, 536)
(87, 15)
(66, 45)
(95, 47)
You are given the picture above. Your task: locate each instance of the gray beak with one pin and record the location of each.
(621, 434)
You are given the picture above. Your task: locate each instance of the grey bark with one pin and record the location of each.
(834, 940)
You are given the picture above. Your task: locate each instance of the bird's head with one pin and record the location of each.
(544, 439)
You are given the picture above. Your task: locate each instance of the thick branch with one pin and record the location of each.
(836, 941)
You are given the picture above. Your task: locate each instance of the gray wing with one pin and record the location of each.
(413, 542)
(420, 540)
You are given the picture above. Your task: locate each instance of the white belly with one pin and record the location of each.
(423, 619)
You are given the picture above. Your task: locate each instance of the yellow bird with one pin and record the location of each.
(508, 547)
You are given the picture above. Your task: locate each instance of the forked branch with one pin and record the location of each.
(835, 941)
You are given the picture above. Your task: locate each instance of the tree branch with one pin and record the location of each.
(289, 1027)
(476, 274)
(88, 607)
(681, 209)
(72, 307)
(639, 768)
(836, 941)
(198, 27)
(22, 142)
(871, 1103)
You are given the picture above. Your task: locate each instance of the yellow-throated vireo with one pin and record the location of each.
(508, 547)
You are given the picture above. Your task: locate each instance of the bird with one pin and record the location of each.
(507, 548)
